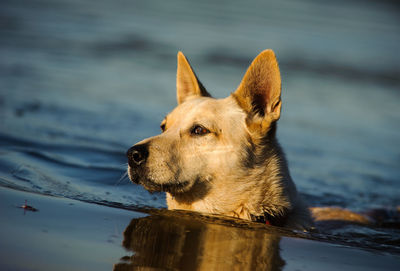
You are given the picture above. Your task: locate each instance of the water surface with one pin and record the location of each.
(82, 81)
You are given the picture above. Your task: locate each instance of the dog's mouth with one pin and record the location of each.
(152, 186)
(171, 187)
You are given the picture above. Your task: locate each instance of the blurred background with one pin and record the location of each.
(82, 81)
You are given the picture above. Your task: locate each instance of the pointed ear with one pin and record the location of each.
(187, 84)
(259, 93)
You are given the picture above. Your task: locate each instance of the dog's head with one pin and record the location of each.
(203, 139)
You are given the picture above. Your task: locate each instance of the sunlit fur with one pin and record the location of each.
(238, 168)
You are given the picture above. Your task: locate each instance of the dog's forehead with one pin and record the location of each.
(205, 107)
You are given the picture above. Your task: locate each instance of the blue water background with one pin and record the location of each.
(82, 81)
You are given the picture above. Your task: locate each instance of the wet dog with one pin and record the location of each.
(222, 156)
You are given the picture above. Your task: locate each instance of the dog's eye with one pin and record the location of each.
(199, 130)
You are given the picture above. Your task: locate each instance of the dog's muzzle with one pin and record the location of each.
(137, 155)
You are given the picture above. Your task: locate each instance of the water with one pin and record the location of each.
(116, 239)
(82, 81)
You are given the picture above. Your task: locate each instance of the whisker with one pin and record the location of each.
(122, 178)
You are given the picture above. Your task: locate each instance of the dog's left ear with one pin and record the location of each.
(187, 83)
(259, 93)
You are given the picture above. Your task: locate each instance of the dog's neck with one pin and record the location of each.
(234, 196)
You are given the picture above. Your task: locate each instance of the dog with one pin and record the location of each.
(221, 156)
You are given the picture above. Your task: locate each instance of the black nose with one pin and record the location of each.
(137, 155)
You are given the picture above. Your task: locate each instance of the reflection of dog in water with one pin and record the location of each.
(176, 243)
(222, 156)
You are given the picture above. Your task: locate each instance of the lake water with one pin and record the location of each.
(82, 81)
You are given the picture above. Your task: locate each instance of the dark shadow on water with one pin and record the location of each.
(159, 242)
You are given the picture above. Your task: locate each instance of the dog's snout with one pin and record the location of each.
(137, 155)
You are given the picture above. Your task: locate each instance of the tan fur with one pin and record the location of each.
(339, 214)
(237, 168)
(187, 83)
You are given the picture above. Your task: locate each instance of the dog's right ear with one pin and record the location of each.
(259, 93)
(187, 83)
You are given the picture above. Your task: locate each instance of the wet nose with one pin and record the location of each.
(137, 155)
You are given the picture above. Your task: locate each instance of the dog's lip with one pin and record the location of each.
(174, 187)
(167, 187)
(133, 176)
(135, 179)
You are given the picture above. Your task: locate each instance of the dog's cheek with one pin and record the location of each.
(188, 164)
(220, 157)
